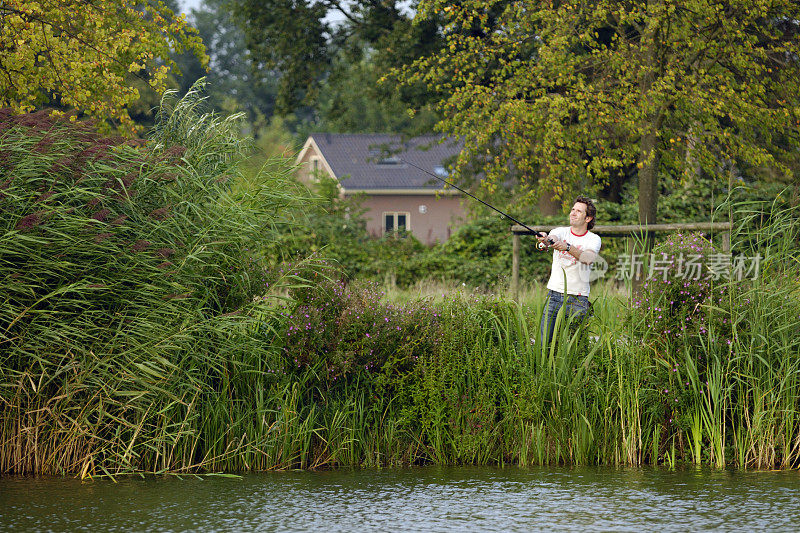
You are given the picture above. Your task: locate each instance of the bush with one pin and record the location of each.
(673, 302)
(330, 227)
(722, 346)
(131, 286)
(343, 330)
(479, 253)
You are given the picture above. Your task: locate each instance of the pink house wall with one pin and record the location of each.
(442, 214)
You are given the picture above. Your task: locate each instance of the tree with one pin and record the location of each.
(300, 40)
(570, 93)
(231, 84)
(351, 100)
(81, 54)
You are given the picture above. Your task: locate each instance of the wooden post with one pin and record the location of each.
(726, 241)
(637, 282)
(515, 268)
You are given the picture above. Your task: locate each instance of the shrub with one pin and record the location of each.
(479, 253)
(331, 227)
(130, 278)
(344, 330)
(673, 302)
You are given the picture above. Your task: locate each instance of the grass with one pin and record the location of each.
(530, 294)
(486, 394)
(130, 339)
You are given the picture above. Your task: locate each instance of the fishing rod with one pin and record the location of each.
(537, 233)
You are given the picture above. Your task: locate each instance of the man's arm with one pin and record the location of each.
(586, 257)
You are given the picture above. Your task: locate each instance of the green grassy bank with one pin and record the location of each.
(360, 382)
(462, 381)
(137, 334)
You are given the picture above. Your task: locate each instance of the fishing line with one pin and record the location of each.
(537, 233)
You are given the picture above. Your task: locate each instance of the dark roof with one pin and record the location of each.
(376, 161)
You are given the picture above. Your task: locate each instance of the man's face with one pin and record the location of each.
(577, 215)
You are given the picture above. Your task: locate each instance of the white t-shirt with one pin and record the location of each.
(567, 267)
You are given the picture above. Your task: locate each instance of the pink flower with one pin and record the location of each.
(101, 215)
(29, 221)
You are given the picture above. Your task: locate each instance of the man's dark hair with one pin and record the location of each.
(591, 210)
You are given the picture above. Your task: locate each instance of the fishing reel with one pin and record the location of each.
(542, 246)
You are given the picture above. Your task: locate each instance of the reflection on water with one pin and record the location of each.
(420, 499)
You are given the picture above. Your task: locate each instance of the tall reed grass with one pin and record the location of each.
(130, 339)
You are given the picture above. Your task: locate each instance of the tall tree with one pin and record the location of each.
(572, 93)
(310, 41)
(81, 53)
(351, 100)
(231, 82)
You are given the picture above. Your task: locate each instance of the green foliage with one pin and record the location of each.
(329, 56)
(351, 100)
(81, 54)
(290, 36)
(462, 396)
(333, 228)
(675, 300)
(232, 83)
(721, 346)
(479, 253)
(394, 255)
(343, 330)
(573, 95)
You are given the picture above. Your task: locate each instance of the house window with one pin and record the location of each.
(314, 166)
(394, 221)
(389, 161)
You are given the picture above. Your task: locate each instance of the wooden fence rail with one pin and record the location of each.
(617, 231)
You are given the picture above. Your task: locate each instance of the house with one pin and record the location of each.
(382, 168)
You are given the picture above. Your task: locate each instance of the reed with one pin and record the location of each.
(129, 335)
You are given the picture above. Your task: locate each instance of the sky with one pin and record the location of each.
(188, 5)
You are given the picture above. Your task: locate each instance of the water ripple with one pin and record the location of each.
(421, 499)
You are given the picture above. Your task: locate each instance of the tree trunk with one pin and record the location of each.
(548, 206)
(649, 159)
(648, 187)
(649, 162)
(692, 164)
(648, 179)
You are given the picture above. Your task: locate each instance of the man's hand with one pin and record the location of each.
(545, 238)
(561, 246)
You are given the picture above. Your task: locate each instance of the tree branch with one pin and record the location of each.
(338, 6)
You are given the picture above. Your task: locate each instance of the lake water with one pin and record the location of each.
(413, 499)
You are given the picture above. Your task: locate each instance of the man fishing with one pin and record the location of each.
(575, 249)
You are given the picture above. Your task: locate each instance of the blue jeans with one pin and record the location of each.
(577, 308)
